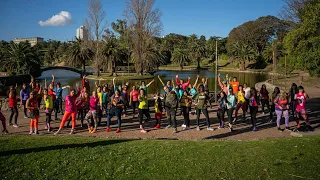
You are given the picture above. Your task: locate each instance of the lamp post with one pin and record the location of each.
(216, 76)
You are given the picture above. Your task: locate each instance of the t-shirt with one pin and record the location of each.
(301, 102)
(145, 88)
(100, 96)
(264, 94)
(25, 94)
(282, 103)
(134, 95)
(105, 97)
(193, 92)
(58, 92)
(94, 103)
(235, 86)
(241, 98)
(184, 101)
(143, 102)
(49, 102)
(231, 101)
(247, 93)
(116, 101)
(201, 98)
(157, 106)
(52, 94)
(253, 102)
(222, 102)
(171, 100)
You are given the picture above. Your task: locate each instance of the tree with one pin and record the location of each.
(272, 52)
(243, 53)
(145, 24)
(111, 51)
(196, 49)
(79, 54)
(180, 57)
(291, 11)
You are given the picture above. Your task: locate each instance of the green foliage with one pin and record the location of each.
(48, 157)
(243, 53)
(180, 57)
(303, 43)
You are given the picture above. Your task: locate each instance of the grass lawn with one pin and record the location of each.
(65, 157)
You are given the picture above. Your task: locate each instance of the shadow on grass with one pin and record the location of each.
(61, 147)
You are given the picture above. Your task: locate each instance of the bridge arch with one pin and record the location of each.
(60, 72)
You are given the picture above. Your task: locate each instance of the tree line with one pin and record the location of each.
(136, 40)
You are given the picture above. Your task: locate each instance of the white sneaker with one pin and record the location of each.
(186, 128)
(210, 129)
(183, 125)
(198, 128)
(143, 131)
(16, 126)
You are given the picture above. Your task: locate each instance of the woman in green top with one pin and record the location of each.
(231, 103)
(145, 87)
(201, 105)
(143, 109)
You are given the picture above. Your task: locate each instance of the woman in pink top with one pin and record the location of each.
(94, 101)
(182, 83)
(70, 109)
(223, 86)
(134, 102)
(253, 104)
(301, 112)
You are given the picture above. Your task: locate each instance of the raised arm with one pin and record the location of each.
(220, 83)
(160, 80)
(150, 83)
(187, 83)
(83, 81)
(195, 83)
(177, 80)
(32, 80)
(64, 87)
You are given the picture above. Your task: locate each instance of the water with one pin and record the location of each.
(250, 78)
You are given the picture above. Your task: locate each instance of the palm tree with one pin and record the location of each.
(243, 53)
(79, 54)
(272, 52)
(112, 53)
(180, 57)
(196, 50)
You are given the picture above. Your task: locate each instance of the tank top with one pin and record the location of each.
(134, 95)
(143, 102)
(12, 101)
(94, 103)
(49, 102)
(301, 101)
(241, 98)
(33, 103)
(157, 106)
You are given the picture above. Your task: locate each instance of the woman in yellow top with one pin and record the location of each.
(48, 108)
(143, 109)
(99, 108)
(158, 110)
(241, 103)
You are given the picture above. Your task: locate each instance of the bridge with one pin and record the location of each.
(60, 72)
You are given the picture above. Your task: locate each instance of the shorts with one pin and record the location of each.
(158, 115)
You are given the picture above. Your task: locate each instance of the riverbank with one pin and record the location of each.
(121, 76)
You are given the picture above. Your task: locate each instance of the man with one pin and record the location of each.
(171, 102)
(235, 85)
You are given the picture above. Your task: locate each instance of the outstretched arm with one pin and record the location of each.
(160, 80)
(195, 83)
(64, 87)
(187, 83)
(206, 81)
(150, 83)
(177, 80)
(220, 83)
(83, 81)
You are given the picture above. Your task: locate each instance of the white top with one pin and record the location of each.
(247, 92)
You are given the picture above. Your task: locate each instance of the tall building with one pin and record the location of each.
(82, 33)
(33, 41)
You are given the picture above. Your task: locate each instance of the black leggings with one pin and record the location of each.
(265, 103)
(48, 116)
(185, 111)
(143, 112)
(24, 108)
(253, 112)
(14, 111)
(39, 102)
(134, 105)
(220, 115)
(205, 112)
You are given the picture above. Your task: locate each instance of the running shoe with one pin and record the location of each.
(31, 132)
(198, 128)
(57, 132)
(288, 129)
(169, 126)
(72, 131)
(183, 125)
(210, 129)
(143, 131)
(89, 129)
(254, 129)
(118, 130)
(94, 131)
(36, 132)
(230, 129)
(186, 128)
(221, 127)
(5, 131)
(26, 117)
(234, 120)
(108, 129)
(279, 129)
(10, 124)
(298, 126)
(157, 126)
(175, 130)
(15, 125)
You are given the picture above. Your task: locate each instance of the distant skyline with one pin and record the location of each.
(59, 19)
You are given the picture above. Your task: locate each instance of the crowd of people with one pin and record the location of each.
(179, 98)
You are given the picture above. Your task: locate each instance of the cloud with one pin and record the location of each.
(61, 19)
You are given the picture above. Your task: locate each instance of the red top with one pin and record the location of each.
(12, 102)
(134, 95)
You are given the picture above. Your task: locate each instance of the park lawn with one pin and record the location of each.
(66, 157)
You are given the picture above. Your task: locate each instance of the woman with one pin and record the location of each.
(274, 96)
(35, 85)
(223, 85)
(143, 109)
(185, 103)
(33, 108)
(115, 110)
(49, 107)
(253, 105)
(158, 110)
(105, 99)
(171, 103)
(264, 97)
(70, 110)
(182, 83)
(293, 91)
(99, 108)
(134, 102)
(301, 112)
(145, 87)
(94, 101)
(24, 96)
(281, 107)
(13, 100)
(222, 108)
(125, 99)
(241, 104)
(82, 104)
(201, 106)
(231, 103)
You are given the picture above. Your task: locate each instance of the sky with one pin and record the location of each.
(59, 19)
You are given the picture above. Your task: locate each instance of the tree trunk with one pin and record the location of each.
(198, 66)
(181, 67)
(83, 68)
(274, 58)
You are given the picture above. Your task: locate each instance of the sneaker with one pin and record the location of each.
(175, 130)
(186, 128)
(72, 131)
(94, 131)
(183, 125)
(118, 130)
(230, 129)
(26, 117)
(271, 121)
(31, 132)
(221, 127)
(287, 129)
(108, 129)
(279, 129)
(198, 128)
(143, 131)
(49, 130)
(90, 129)
(210, 129)
(254, 129)
(263, 113)
(36, 132)
(10, 124)
(57, 132)
(169, 126)
(298, 126)
(15, 125)
(234, 120)
(157, 126)
(46, 127)
(5, 131)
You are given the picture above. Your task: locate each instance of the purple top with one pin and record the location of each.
(24, 94)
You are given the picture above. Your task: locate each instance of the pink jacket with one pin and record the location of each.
(72, 99)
